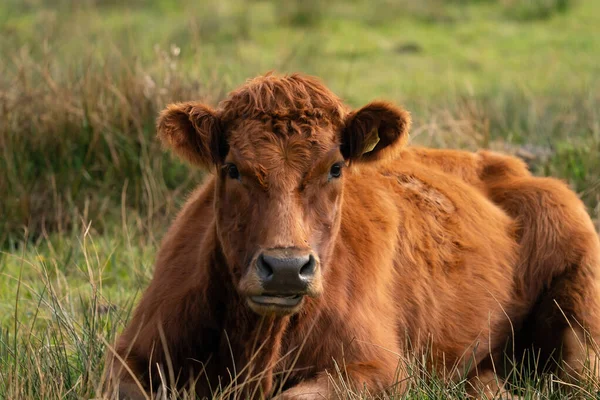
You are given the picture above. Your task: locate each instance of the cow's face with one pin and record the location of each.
(278, 206)
(280, 180)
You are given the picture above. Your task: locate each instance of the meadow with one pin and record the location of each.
(86, 192)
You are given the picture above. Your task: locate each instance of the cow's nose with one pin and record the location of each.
(286, 271)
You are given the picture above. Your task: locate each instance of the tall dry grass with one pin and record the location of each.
(76, 140)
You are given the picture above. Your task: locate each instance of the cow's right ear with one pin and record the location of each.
(193, 131)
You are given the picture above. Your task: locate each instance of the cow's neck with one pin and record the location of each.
(250, 344)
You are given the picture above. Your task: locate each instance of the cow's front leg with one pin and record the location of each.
(486, 385)
(370, 377)
(319, 388)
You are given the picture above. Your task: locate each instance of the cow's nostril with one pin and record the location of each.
(308, 269)
(265, 271)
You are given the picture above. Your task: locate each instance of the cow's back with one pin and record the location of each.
(557, 276)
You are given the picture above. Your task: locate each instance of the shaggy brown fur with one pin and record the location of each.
(437, 253)
(558, 273)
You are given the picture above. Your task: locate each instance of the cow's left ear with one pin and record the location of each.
(376, 131)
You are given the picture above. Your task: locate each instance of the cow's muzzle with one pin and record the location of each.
(282, 277)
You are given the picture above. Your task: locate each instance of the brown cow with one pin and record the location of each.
(321, 247)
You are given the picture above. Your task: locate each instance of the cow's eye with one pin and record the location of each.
(335, 171)
(233, 172)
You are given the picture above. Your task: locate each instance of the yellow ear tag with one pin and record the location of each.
(371, 141)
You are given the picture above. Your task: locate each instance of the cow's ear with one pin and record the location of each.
(193, 131)
(376, 131)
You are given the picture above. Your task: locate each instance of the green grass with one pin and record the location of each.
(88, 193)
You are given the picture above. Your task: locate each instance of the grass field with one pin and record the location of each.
(87, 192)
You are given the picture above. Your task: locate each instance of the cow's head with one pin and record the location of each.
(281, 147)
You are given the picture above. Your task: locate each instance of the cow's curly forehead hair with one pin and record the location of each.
(288, 97)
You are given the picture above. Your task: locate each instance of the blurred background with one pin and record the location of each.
(86, 191)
